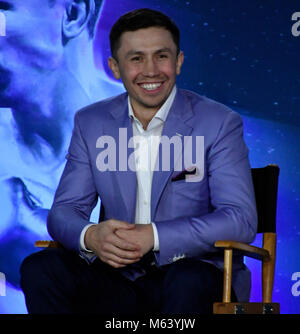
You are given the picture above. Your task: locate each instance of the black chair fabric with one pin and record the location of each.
(265, 181)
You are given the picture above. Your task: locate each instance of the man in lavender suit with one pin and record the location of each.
(161, 209)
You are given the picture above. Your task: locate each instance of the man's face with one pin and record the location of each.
(31, 48)
(147, 64)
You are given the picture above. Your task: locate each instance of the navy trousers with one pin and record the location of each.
(57, 281)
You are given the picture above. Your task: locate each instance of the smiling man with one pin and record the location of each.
(153, 250)
(149, 71)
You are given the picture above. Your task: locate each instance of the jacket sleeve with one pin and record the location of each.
(231, 195)
(76, 195)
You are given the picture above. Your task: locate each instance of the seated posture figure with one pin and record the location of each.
(172, 172)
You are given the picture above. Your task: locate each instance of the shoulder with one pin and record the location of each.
(213, 120)
(203, 104)
(207, 109)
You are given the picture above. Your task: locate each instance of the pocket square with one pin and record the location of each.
(181, 175)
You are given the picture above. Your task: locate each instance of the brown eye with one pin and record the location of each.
(137, 58)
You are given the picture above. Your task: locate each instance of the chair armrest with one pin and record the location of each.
(247, 250)
(45, 244)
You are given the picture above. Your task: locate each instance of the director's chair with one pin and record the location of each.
(265, 181)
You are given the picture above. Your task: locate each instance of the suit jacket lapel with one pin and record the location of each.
(175, 125)
(126, 178)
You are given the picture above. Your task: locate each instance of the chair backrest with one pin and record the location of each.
(265, 181)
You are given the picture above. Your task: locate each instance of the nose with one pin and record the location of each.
(150, 68)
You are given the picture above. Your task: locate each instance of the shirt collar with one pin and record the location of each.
(163, 111)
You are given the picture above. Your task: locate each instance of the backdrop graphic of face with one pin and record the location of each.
(40, 69)
(240, 53)
(32, 46)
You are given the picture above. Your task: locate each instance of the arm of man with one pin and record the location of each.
(75, 198)
(231, 195)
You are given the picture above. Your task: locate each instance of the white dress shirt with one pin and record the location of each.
(146, 144)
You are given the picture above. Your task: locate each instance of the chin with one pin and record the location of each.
(155, 104)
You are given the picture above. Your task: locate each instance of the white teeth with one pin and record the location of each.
(151, 86)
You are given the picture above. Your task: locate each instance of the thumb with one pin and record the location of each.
(116, 224)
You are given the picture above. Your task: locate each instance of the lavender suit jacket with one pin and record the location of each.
(189, 216)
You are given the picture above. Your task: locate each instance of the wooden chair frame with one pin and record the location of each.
(267, 255)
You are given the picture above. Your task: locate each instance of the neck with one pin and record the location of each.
(45, 128)
(44, 116)
(145, 113)
(144, 117)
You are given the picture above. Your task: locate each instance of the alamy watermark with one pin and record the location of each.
(2, 284)
(179, 153)
(2, 24)
(296, 25)
(296, 286)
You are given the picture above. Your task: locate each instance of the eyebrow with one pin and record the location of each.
(137, 52)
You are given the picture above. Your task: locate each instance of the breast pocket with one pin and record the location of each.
(190, 198)
(184, 188)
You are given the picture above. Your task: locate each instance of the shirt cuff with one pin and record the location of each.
(156, 240)
(81, 240)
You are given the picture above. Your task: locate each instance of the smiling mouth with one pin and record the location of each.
(151, 86)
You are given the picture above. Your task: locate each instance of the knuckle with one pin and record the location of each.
(121, 261)
(130, 255)
(107, 239)
(115, 265)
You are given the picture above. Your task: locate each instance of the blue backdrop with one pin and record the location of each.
(240, 53)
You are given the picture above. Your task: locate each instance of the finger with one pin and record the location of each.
(124, 235)
(111, 262)
(120, 260)
(123, 244)
(116, 224)
(121, 253)
(109, 257)
(114, 264)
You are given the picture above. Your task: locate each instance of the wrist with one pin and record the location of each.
(155, 237)
(88, 237)
(151, 235)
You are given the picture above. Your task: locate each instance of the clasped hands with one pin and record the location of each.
(119, 243)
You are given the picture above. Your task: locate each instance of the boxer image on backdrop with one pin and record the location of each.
(47, 73)
(153, 250)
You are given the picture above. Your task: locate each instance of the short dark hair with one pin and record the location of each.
(94, 17)
(141, 19)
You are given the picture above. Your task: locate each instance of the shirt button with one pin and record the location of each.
(145, 202)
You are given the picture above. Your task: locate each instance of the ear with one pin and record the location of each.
(77, 16)
(179, 62)
(113, 65)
